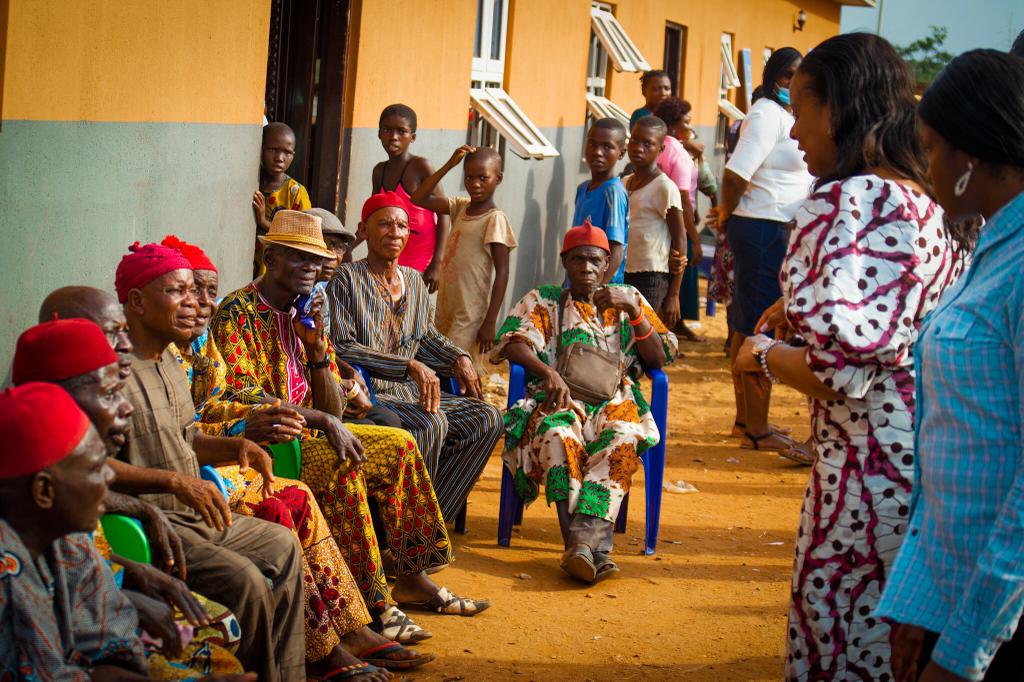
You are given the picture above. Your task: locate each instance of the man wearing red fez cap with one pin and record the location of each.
(61, 613)
(230, 557)
(206, 278)
(143, 264)
(585, 235)
(382, 321)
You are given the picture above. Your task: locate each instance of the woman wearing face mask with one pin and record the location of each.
(957, 587)
(764, 181)
(868, 258)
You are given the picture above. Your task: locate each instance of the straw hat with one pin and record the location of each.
(297, 230)
(331, 224)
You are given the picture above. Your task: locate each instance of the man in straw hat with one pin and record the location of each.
(252, 566)
(271, 355)
(61, 614)
(382, 321)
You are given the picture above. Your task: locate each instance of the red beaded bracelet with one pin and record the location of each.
(638, 321)
(641, 338)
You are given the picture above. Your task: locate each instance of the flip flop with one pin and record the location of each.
(346, 672)
(377, 656)
(446, 603)
(578, 561)
(394, 625)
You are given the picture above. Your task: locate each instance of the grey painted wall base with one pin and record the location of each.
(537, 196)
(76, 194)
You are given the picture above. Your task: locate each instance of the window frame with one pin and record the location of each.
(677, 70)
(625, 55)
(502, 113)
(489, 70)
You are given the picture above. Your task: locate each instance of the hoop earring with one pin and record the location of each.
(961, 184)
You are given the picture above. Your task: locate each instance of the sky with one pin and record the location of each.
(971, 23)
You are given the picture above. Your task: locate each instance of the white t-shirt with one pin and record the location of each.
(770, 160)
(649, 239)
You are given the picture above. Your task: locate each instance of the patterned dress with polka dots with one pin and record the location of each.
(867, 260)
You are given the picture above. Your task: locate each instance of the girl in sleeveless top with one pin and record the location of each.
(402, 173)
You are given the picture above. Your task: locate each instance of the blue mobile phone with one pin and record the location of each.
(304, 302)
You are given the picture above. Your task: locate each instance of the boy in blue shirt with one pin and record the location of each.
(603, 199)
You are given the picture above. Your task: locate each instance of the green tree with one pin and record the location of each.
(926, 56)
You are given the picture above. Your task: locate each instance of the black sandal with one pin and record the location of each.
(756, 442)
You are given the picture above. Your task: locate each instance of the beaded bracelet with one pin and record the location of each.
(641, 338)
(763, 357)
(638, 321)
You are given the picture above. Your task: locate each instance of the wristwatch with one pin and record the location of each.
(760, 351)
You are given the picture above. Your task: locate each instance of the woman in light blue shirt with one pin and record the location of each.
(956, 590)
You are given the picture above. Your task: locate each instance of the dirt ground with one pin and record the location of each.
(709, 605)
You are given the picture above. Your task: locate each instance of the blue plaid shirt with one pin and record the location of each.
(960, 571)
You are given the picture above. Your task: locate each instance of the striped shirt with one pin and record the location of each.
(366, 331)
(960, 571)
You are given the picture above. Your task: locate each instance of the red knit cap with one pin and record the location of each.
(196, 256)
(383, 200)
(41, 424)
(61, 349)
(144, 264)
(585, 235)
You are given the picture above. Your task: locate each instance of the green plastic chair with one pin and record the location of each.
(126, 537)
(287, 459)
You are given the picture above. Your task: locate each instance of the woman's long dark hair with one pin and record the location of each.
(977, 104)
(782, 59)
(870, 90)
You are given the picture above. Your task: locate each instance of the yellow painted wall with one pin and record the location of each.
(546, 65)
(414, 52)
(754, 25)
(197, 61)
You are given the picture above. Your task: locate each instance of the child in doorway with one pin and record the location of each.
(654, 86)
(402, 173)
(654, 264)
(477, 255)
(602, 200)
(277, 189)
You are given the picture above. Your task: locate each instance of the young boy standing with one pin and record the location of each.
(402, 173)
(656, 222)
(474, 271)
(602, 200)
(277, 189)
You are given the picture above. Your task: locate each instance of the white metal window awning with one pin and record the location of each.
(501, 111)
(602, 107)
(731, 110)
(617, 43)
(730, 77)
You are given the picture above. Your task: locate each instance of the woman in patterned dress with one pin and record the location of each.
(869, 256)
(584, 454)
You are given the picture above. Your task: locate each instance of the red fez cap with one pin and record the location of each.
(61, 349)
(41, 424)
(196, 256)
(383, 200)
(144, 264)
(585, 235)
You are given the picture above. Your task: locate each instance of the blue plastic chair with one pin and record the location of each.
(125, 535)
(448, 385)
(510, 508)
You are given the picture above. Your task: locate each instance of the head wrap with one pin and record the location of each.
(144, 264)
(383, 200)
(196, 256)
(41, 424)
(61, 349)
(585, 235)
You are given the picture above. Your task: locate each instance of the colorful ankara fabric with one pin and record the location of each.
(212, 647)
(291, 195)
(867, 260)
(62, 614)
(256, 339)
(333, 605)
(252, 566)
(958, 573)
(368, 330)
(586, 455)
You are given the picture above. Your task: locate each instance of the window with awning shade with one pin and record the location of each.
(622, 50)
(501, 111)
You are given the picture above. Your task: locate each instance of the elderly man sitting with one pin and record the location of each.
(381, 320)
(61, 615)
(582, 441)
(272, 356)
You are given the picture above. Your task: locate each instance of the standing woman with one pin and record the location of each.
(868, 257)
(958, 582)
(764, 181)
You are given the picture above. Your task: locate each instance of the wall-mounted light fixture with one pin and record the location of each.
(800, 21)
